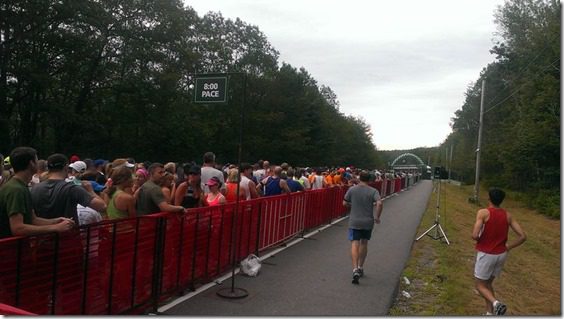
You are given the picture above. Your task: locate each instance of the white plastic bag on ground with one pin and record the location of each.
(250, 266)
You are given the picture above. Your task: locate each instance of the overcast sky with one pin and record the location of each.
(403, 66)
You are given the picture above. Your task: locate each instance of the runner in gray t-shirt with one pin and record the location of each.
(361, 200)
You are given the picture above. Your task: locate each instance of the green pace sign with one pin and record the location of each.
(210, 90)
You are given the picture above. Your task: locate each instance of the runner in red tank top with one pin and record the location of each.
(490, 232)
(494, 234)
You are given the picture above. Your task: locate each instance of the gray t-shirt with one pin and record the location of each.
(149, 197)
(362, 199)
(58, 198)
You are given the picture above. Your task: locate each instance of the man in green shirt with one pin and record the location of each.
(17, 217)
(150, 198)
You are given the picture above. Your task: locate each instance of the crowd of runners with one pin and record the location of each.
(62, 192)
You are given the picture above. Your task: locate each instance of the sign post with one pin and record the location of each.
(213, 88)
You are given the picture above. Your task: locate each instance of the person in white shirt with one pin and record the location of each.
(209, 171)
(246, 181)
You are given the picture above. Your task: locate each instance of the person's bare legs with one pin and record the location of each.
(355, 253)
(363, 251)
(485, 288)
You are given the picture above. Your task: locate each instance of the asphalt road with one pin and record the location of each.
(313, 277)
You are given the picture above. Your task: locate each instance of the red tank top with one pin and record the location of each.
(494, 234)
(231, 193)
(214, 201)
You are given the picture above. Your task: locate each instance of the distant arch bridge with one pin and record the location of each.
(401, 162)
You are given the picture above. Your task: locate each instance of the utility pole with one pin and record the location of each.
(447, 164)
(478, 150)
(450, 162)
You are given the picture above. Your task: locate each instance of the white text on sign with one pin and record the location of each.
(210, 93)
(208, 87)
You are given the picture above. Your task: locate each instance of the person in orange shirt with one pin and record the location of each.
(311, 177)
(337, 180)
(328, 179)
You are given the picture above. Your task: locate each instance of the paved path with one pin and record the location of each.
(313, 277)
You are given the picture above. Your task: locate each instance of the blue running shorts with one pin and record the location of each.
(358, 234)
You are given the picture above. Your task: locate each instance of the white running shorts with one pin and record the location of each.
(488, 266)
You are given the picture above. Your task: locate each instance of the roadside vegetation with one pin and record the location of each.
(441, 278)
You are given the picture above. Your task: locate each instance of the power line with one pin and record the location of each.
(518, 89)
(526, 67)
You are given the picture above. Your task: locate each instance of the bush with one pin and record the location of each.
(547, 202)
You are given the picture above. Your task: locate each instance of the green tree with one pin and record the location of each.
(521, 128)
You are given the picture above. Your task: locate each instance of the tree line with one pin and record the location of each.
(521, 123)
(113, 78)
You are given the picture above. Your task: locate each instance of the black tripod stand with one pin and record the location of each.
(439, 232)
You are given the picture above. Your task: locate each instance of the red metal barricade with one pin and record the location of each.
(397, 186)
(314, 209)
(282, 218)
(7, 310)
(128, 266)
(389, 187)
(378, 186)
(249, 227)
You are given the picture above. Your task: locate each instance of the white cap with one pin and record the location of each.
(78, 166)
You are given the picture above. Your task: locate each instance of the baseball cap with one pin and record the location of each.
(194, 169)
(78, 166)
(99, 162)
(74, 158)
(97, 187)
(213, 181)
(121, 161)
(56, 161)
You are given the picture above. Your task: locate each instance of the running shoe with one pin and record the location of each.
(499, 308)
(356, 276)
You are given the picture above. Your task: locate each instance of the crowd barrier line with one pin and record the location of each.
(131, 266)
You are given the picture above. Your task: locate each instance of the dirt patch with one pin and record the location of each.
(423, 283)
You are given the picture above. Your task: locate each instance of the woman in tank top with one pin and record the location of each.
(231, 187)
(214, 198)
(189, 193)
(141, 176)
(168, 187)
(120, 201)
